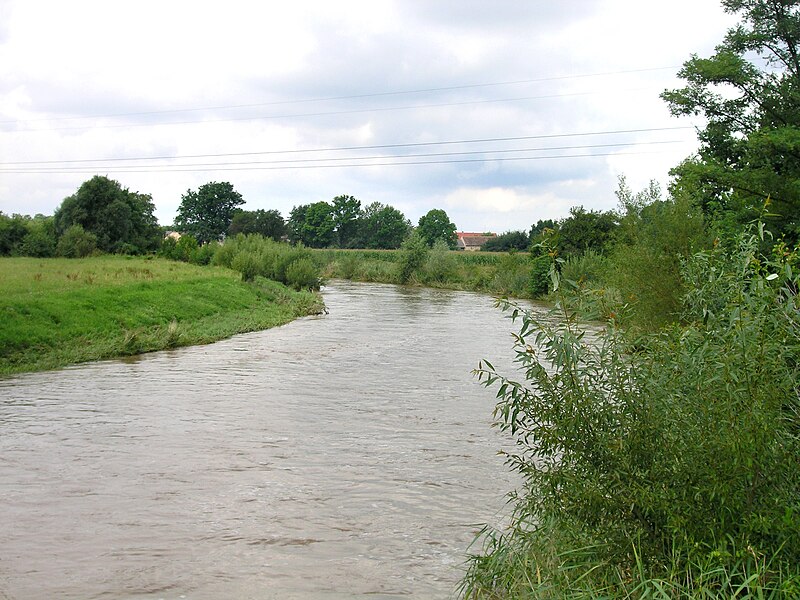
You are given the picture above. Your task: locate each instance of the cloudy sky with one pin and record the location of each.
(501, 112)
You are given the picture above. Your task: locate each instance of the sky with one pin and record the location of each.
(500, 112)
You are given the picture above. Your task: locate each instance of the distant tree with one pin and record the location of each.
(511, 240)
(540, 226)
(268, 223)
(585, 230)
(381, 226)
(119, 219)
(13, 230)
(346, 210)
(312, 224)
(436, 225)
(207, 213)
(40, 241)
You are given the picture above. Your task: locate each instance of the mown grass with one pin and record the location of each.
(57, 312)
(496, 273)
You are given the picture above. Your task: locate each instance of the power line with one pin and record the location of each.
(169, 168)
(326, 113)
(337, 166)
(349, 148)
(347, 97)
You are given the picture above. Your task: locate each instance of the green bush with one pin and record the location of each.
(540, 276)
(440, 265)
(662, 468)
(256, 256)
(302, 274)
(413, 254)
(76, 243)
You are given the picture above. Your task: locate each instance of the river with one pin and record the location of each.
(338, 456)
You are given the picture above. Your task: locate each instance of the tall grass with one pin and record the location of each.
(664, 466)
(501, 273)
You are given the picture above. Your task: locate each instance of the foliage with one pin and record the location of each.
(748, 94)
(302, 274)
(440, 264)
(109, 306)
(117, 217)
(346, 210)
(510, 240)
(493, 273)
(206, 214)
(413, 254)
(381, 226)
(255, 256)
(585, 230)
(436, 225)
(540, 276)
(76, 243)
(654, 238)
(664, 468)
(268, 223)
(312, 225)
(21, 235)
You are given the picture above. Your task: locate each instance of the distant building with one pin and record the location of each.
(173, 235)
(472, 242)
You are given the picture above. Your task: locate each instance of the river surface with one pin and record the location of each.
(339, 456)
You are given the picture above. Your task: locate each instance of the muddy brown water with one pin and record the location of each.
(339, 456)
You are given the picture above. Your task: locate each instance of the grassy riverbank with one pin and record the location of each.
(57, 312)
(496, 273)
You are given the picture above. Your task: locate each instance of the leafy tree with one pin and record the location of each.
(749, 94)
(436, 225)
(346, 210)
(382, 226)
(511, 240)
(207, 213)
(40, 241)
(117, 217)
(12, 231)
(585, 230)
(268, 223)
(312, 224)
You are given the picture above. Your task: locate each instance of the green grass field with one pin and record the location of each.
(55, 312)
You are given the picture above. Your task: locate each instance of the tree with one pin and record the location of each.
(268, 223)
(583, 231)
(436, 225)
(40, 241)
(12, 231)
(345, 219)
(511, 240)
(750, 146)
(121, 220)
(382, 226)
(207, 213)
(312, 224)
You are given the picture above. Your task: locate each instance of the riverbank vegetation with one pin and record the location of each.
(659, 454)
(64, 311)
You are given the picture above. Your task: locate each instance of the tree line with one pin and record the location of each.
(103, 216)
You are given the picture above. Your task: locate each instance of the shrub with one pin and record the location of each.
(302, 274)
(413, 254)
(76, 243)
(668, 466)
(440, 264)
